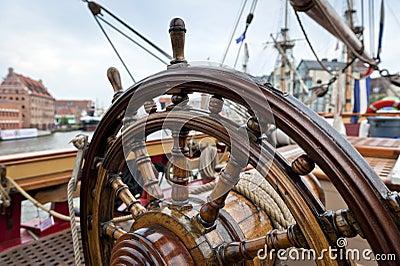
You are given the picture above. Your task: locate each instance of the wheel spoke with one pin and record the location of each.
(143, 161)
(113, 230)
(216, 201)
(235, 252)
(122, 191)
(180, 177)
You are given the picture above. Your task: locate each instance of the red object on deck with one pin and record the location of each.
(383, 103)
(10, 220)
(13, 233)
(352, 129)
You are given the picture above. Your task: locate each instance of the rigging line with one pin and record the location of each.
(249, 19)
(238, 53)
(371, 27)
(132, 40)
(138, 34)
(335, 75)
(394, 15)
(253, 6)
(310, 45)
(115, 49)
(362, 16)
(234, 30)
(380, 35)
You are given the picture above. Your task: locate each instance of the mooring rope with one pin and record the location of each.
(74, 229)
(36, 203)
(81, 143)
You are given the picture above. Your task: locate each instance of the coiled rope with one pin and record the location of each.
(255, 188)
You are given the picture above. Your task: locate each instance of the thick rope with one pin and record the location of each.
(60, 216)
(36, 203)
(203, 188)
(256, 189)
(257, 196)
(81, 143)
(74, 229)
(208, 161)
(257, 179)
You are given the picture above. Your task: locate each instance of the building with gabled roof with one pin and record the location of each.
(313, 74)
(33, 98)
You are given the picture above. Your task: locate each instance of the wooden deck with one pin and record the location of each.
(381, 154)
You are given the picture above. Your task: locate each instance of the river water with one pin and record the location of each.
(58, 140)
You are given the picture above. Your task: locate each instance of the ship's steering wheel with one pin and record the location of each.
(373, 210)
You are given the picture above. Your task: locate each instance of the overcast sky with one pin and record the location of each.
(60, 42)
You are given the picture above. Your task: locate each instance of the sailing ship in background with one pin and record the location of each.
(341, 90)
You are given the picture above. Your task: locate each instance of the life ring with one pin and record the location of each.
(383, 103)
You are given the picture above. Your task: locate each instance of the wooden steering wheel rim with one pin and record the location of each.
(350, 174)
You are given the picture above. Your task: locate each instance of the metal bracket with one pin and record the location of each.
(393, 199)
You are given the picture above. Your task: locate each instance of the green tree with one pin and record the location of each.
(64, 120)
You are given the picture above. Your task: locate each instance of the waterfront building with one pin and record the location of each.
(313, 74)
(72, 110)
(31, 98)
(10, 115)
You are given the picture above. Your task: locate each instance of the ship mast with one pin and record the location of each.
(349, 17)
(283, 46)
(284, 36)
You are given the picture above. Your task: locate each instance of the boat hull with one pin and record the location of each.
(13, 134)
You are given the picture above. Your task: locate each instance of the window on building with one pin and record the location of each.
(23, 106)
(23, 99)
(16, 98)
(16, 91)
(11, 98)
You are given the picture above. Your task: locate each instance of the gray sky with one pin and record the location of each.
(60, 42)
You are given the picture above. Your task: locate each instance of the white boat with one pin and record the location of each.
(90, 123)
(12, 134)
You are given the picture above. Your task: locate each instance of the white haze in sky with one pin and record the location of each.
(60, 42)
